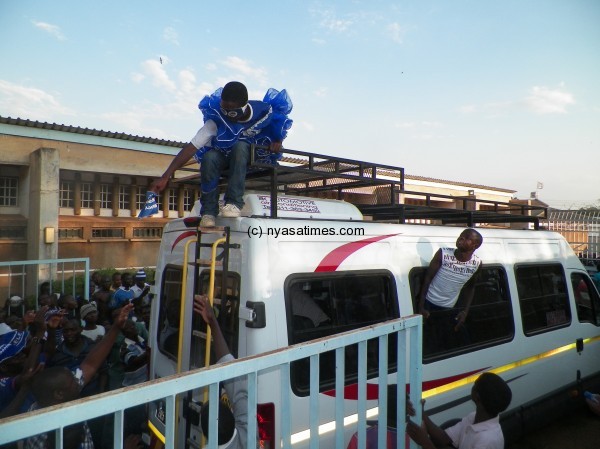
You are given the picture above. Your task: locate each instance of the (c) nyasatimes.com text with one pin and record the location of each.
(259, 231)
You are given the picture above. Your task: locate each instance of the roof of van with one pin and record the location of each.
(288, 206)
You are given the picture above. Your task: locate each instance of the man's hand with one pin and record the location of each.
(202, 306)
(158, 185)
(275, 147)
(418, 434)
(39, 318)
(460, 320)
(424, 312)
(123, 315)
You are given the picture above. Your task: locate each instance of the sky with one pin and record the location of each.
(499, 93)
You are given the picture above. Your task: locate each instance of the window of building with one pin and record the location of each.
(586, 299)
(107, 233)
(542, 297)
(124, 197)
(172, 199)
(13, 232)
(9, 191)
(140, 199)
(147, 233)
(66, 194)
(106, 196)
(87, 195)
(489, 322)
(70, 233)
(326, 304)
(188, 200)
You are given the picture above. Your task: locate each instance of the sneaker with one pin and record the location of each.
(231, 211)
(207, 221)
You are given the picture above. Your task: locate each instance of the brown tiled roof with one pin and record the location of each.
(88, 131)
(172, 143)
(457, 183)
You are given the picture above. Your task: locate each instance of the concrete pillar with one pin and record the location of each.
(42, 225)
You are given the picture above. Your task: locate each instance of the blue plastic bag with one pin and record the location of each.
(150, 206)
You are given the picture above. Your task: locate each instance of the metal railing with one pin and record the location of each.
(407, 331)
(23, 277)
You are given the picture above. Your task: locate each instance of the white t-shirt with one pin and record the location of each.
(94, 334)
(204, 134)
(453, 274)
(484, 435)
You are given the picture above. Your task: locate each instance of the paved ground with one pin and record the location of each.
(581, 430)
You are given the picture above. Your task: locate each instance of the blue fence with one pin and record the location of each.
(407, 331)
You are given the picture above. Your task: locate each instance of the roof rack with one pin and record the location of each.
(374, 188)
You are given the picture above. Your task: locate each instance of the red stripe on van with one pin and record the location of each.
(182, 236)
(351, 391)
(333, 260)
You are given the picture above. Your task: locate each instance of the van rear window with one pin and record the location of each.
(324, 304)
(542, 297)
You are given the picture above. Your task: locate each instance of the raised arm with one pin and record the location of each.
(202, 138)
(101, 350)
(202, 306)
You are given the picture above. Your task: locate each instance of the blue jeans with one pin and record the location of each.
(214, 162)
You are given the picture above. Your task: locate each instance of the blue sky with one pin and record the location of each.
(501, 93)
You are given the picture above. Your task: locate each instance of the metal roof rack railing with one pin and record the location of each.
(305, 174)
(468, 210)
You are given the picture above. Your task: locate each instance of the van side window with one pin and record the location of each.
(489, 322)
(586, 299)
(169, 312)
(542, 297)
(323, 304)
(170, 308)
(226, 309)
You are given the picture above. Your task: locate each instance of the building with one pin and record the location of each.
(67, 192)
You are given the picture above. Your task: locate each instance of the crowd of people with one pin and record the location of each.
(66, 348)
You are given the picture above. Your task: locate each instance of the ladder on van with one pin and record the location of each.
(219, 257)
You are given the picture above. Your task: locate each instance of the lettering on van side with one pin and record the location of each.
(258, 231)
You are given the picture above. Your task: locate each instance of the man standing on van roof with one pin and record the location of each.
(231, 125)
(449, 272)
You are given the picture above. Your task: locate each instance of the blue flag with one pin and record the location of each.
(150, 206)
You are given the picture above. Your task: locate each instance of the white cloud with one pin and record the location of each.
(329, 20)
(245, 68)
(395, 32)
(29, 102)
(171, 35)
(155, 70)
(137, 77)
(467, 109)
(321, 92)
(53, 30)
(544, 100)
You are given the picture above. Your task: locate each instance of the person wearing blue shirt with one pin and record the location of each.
(124, 294)
(231, 125)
